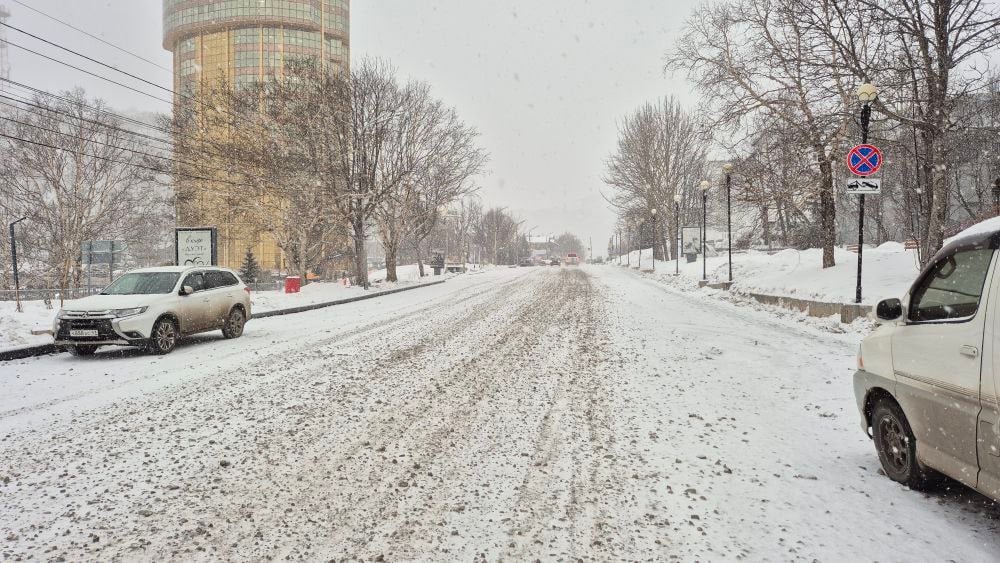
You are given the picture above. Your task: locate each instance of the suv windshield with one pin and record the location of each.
(147, 283)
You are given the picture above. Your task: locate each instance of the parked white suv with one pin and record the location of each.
(153, 308)
(928, 377)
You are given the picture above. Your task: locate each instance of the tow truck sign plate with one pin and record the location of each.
(864, 186)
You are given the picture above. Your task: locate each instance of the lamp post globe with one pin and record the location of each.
(867, 93)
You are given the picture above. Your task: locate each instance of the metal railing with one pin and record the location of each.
(41, 294)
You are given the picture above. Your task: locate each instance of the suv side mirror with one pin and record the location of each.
(889, 310)
(187, 290)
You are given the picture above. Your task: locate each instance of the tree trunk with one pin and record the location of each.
(390, 263)
(360, 254)
(420, 259)
(767, 226)
(828, 212)
(934, 231)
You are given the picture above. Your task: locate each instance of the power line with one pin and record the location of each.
(103, 111)
(81, 55)
(91, 35)
(77, 117)
(119, 162)
(172, 133)
(110, 145)
(113, 68)
(85, 71)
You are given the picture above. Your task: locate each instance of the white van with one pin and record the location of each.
(928, 377)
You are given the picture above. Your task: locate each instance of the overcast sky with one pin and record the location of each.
(544, 81)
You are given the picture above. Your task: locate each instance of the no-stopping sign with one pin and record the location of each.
(864, 160)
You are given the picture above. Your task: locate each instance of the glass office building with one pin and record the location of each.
(242, 41)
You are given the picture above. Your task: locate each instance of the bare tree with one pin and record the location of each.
(78, 175)
(751, 57)
(438, 155)
(924, 55)
(660, 153)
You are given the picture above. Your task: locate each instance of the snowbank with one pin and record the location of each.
(15, 328)
(889, 270)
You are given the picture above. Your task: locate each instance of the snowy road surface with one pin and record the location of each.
(546, 413)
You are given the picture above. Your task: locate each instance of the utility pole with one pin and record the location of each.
(13, 262)
(728, 169)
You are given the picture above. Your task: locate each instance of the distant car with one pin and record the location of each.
(554, 263)
(572, 259)
(526, 263)
(153, 308)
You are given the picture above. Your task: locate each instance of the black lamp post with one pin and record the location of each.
(727, 169)
(677, 232)
(704, 229)
(13, 262)
(866, 95)
(655, 240)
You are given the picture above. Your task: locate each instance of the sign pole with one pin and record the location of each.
(13, 261)
(866, 115)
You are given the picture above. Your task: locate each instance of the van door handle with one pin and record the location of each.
(970, 351)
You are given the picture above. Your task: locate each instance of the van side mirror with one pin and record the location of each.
(187, 290)
(889, 310)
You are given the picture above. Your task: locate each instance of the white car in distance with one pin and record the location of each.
(153, 308)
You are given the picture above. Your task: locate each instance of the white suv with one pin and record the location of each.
(153, 308)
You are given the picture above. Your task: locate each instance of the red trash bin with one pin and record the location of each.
(293, 284)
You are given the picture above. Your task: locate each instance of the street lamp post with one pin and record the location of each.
(13, 263)
(866, 95)
(704, 229)
(655, 240)
(627, 246)
(727, 169)
(677, 232)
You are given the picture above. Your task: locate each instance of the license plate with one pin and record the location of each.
(83, 333)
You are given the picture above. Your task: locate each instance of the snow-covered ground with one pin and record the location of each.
(521, 414)
(888, 272)
(15, 328)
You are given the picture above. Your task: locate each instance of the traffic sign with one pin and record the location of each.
(102, 251)
(864, 160)
(864, 186)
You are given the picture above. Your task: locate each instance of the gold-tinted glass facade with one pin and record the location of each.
(242, 41)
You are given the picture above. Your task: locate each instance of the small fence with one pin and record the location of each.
(54, 295)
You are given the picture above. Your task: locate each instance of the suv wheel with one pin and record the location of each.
(83, 349)
(234, 324)
(896, 445)
(164, 337)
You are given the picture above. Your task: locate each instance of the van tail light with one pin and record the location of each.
(246, 288)
(861, 360)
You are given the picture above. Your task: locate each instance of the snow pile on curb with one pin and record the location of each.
(888, 272)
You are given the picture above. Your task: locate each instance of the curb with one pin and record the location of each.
(314, 306)
(49, 349)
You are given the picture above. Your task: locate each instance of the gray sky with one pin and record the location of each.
(544, 81)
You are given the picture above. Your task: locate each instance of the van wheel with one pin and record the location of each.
(896, 445)
(234, 324)
(164, 337)
(83, 350)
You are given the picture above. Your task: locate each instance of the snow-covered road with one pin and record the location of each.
(543, 413)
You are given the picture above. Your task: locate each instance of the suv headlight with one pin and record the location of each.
(119, 313)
